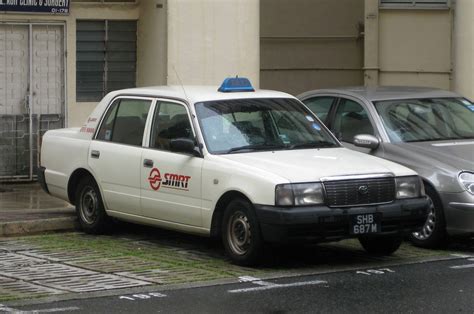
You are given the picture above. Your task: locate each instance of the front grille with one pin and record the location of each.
(357, 192)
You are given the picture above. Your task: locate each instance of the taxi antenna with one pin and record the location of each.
(181, 83)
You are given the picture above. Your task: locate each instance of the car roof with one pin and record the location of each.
(384, 92)
(194, 94)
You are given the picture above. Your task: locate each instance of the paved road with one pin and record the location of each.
(435, 287)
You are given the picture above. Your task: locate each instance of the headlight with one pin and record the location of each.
(409, 187)
(300, 194)
(467, 181)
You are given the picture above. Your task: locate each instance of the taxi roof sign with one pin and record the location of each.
(236, 84)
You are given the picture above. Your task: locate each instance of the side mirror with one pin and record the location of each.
(366, 141)
(184, 145)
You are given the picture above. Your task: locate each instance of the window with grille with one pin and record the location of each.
(427, 4)
(106, 57)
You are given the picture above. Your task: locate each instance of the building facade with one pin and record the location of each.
(56, 63)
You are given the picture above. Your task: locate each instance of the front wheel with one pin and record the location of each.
(433, 232)
(90, 208)
(241, 233)
(381, 245)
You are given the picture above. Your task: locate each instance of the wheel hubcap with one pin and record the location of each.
(239, 233)
(429, 226)
(88, 205)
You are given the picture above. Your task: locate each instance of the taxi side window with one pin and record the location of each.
(320, 106)
(350, 120)
(124, 123)
(171, 121)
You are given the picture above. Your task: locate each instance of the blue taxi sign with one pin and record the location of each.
(236, 84)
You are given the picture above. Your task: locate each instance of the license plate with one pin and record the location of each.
(365, 223)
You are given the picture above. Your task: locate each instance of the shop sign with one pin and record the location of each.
(35, 6)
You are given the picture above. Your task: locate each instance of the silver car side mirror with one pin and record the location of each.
(366, 141)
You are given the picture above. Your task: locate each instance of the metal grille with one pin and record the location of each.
(31, 94)
(360, 191)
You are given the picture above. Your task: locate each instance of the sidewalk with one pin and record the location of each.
(25, 209)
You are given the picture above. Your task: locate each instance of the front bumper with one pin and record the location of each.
(322, 223)
(459, 212)
(42, 179)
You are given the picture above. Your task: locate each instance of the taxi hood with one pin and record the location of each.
(309, 165)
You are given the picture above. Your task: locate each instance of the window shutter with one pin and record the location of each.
(106, 57)
(90, 60)
(415, 3)
(121, 54)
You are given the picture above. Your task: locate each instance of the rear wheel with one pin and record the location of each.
(381, 245)
(90, 208)
(433, 233)
(241, 233)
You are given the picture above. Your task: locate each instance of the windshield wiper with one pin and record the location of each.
(255, 147)
(320, 144)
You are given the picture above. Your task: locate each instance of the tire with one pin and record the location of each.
(381, 245)
(241, 235)
(433, 233)
(90, 208)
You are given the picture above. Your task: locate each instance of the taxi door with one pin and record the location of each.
(170, 181)
(115, 153)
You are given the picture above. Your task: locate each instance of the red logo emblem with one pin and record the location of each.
(155, 179)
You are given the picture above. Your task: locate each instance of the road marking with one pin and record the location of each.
(59, 309)
(264, 285)
(53, 310)
(462, 266)
(248, 279)
(461, 255)
(6, 309)
(144, 296)
(380, 271)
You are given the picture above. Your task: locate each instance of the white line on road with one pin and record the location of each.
(263, 285)
(462, 266)
(59, 309)
(461, 255)
(6, 309)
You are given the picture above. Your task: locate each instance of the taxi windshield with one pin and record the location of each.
(433, 119)
(248, 125)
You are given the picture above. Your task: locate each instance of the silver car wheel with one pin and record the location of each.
(239, 233)
(429, 226)
(89, 205)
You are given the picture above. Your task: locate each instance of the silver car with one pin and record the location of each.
(426, 129)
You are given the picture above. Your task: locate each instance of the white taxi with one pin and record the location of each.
(249, 166)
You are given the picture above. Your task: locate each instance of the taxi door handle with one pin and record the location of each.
(95, 154)
(148, 163)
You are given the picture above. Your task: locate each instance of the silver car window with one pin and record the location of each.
(415, 120)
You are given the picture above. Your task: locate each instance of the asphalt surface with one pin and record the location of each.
(434, 287)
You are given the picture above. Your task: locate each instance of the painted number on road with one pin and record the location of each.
(380, 271)
(142, 296)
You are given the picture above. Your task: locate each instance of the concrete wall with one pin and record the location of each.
(209, 40)
(464, 48)
(152, 43)
(415, 47)
(309, 44)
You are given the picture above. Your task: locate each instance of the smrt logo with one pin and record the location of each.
(155, 179)
(171, 180)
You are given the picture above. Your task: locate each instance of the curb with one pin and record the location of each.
(26, 227)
